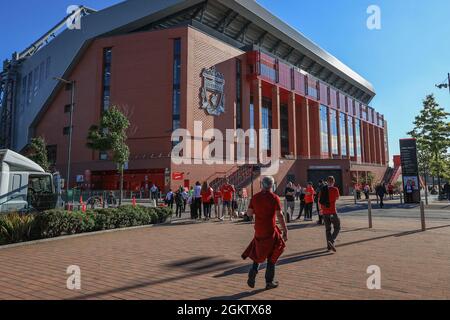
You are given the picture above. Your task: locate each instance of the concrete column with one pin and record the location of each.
(257, 103)
(276, 108)
(330, 142)
(292, 124)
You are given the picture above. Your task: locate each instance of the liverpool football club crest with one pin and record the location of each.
(212, 92)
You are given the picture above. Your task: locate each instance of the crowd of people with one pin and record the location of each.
(203, 201)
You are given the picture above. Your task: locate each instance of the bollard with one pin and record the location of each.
(422, 215)
(401, 198)
(369, 209)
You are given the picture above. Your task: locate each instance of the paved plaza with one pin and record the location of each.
(185, 260)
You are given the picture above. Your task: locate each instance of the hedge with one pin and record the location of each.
(16, 227)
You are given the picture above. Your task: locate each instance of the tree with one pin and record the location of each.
(432, 132)
(37, 152)
(111, 136)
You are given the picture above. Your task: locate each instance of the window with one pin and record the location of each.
(252, 123)
(30, 88)
(324, 129)
(176, 96)
(268, 72)
(106, 96)
(358, 138)
(351, 138)
(266, 117)
(41, 184)
(66, 131)
(343, 124)
(284, 130)
(103, 156)
(334, 132)
(238, 94)
(51, 154)
(67, 108)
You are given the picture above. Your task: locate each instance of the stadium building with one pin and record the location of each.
(167, 63)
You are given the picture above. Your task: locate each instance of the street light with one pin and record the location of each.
(69, 151)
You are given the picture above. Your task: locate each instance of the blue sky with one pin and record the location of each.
(403, 60)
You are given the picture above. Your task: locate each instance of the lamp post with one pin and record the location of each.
(69, 151)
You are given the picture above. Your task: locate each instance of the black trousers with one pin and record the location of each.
(179, 210)
(302, 207)
(207, 210)
(381, 201)
(197, 208)
(332, 220)
(270, 271)
(308, 210)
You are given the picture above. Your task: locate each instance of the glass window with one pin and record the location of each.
(252, 123)
(107, 59)
(351, 138)
(238, 94)
(266, 114)
(334, 132)
(284, 130)
(358, 138)
(324, 129)
(176, 98)
(41, 184)
(343, 124)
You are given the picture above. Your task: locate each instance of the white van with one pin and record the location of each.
(24, 185)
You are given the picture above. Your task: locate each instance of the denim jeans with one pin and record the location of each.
(329, 221)
(270, 271)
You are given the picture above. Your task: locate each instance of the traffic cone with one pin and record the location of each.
(133, 201)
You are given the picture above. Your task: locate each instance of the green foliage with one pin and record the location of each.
(15, 227)
(54, 223)
(432, 132)
(38, 152)
(111, 137)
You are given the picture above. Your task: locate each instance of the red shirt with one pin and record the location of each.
(309, 198)
(207, 195)
(227, 192)
(265, 205)
(217, 196)
(333, 193)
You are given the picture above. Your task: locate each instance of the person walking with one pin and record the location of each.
(269, 242)
(302, 204)
(217, 203)
(309, 200)
(289, 194)
(154, 192)
(179, 202)
(366, 191)
(316, 200)
(447, 190)
(298, 191)
(381, 192)
(197, 197)
(169, 199)
(390, 189)
(227, 191)
(327, 199)
(207, 200)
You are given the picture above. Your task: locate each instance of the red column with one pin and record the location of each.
(304, 123)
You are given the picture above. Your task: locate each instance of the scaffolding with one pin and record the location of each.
(9, 77)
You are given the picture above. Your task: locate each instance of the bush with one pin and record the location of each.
(58, 222)
(15, 227)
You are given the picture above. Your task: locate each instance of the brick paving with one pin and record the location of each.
(202, 261)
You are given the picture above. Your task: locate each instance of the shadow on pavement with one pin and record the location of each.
(238, 296)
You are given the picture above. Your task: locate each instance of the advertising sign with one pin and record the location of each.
(410, 170)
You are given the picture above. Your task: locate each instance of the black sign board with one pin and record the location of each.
(410, 170)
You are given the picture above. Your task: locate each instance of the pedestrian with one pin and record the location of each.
(269, 242)
(409, 190)
(309, 200)
(178, 203)
(207, 194)
(390, 189)
(217, 203)
(366, 191)
(190, 203)
(227, 191)
(447, 190)
(381, 191)
(327, 199)
(185, 196)
(154, 192)
(298, 191)
(197, 197)
(289, 194)
(170, 199)
(302, 203)
(111, 200)
(316, 200)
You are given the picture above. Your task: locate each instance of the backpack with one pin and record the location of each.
(324, 198)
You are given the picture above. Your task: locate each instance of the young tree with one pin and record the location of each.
(37, 151)
(111, 136)
(432, 132)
